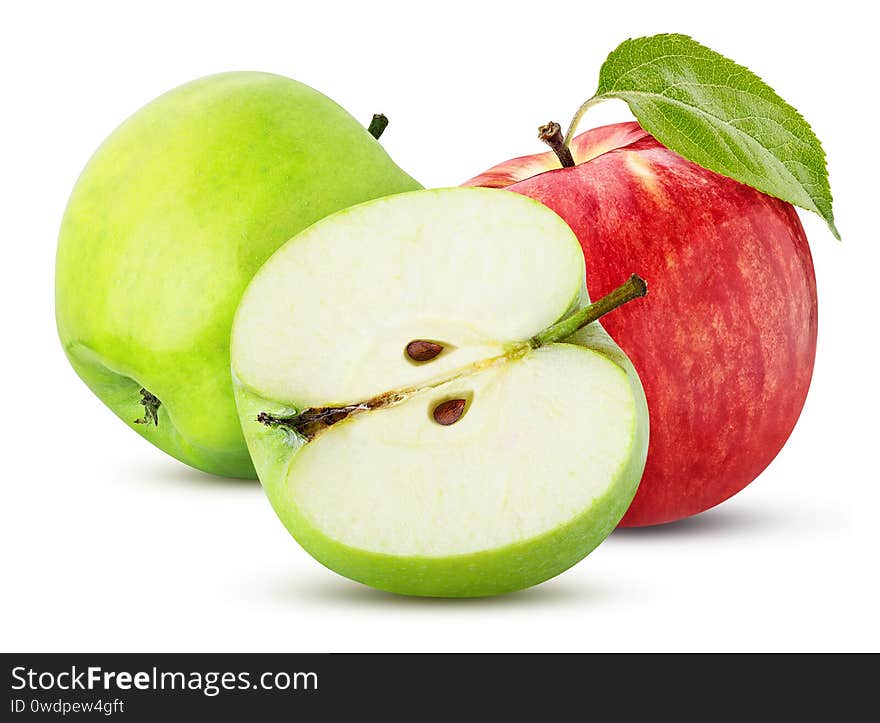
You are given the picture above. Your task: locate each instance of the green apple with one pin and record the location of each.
(417, 409)
(169, 221)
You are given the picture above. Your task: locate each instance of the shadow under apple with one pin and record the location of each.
(335, 591)
(724, 520)
(169, 472)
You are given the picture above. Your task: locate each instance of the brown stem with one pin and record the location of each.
(551, 134)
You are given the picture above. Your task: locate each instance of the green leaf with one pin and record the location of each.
(719, 115)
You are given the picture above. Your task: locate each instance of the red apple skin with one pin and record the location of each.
(725, 340)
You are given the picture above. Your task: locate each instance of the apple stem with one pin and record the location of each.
(551, 134)
(151, 408)
(633, 288)
(378, 125)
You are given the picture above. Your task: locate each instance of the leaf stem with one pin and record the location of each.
(572, 127)
(633, 288)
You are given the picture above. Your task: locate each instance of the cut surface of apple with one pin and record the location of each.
(494, 464)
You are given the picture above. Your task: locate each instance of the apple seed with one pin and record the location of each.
(449, 412)
(421, 350)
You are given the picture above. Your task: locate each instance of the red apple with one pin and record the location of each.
(725, 340)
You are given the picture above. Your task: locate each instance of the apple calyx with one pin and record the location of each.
(311, 422)
(378, 124)
(151, 405)
(551, 134)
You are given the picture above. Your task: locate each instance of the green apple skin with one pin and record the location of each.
(481, 574)
(168, 222)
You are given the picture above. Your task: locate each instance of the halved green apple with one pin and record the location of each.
(412, 411)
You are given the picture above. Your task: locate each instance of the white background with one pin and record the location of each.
(108, 545)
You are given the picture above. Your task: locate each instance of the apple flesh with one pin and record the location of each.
(166, 225)
(725, 342)
(486, 466)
